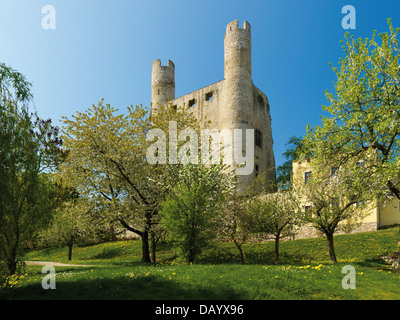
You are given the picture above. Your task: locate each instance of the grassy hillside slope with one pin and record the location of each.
(304, 273)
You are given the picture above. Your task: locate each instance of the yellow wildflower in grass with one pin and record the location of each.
(318, 267)
(12, 281)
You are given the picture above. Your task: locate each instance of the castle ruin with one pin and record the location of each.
(232, 103)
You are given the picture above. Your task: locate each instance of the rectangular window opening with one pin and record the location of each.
(307, 176)
(192, 103)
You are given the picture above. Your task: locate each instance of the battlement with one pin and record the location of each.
(162, 82)
(163, 74)
(237, 51)
(233, 26)
(157, 64)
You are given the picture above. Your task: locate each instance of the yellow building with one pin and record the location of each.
(378, 213)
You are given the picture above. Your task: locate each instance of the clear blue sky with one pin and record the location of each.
(105, 49)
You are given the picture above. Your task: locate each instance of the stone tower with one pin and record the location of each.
(236, 110)
(232, 103)
(162, 83)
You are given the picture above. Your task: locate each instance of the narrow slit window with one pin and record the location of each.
(256, 170)
(258, 138)
(209, 96)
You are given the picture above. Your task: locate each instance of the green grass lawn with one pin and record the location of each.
(304, 273)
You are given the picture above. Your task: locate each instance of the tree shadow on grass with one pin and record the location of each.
(376, 263)
(253, 255)
(123, 288)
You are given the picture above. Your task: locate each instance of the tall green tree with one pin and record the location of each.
(364, 110)
(361, 134)
(277, 214)
(109, 160)
(106, 162)
(74, 222)
(336, 197)
(236, 222)
(29, 149)
(194, 206)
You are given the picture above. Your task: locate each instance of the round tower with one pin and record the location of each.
(162, 83)
(238, 86)
(236, 111)
(237, 45)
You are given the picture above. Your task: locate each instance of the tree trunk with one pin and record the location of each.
(331, 247)
(153, 247)
(12, 259)
(145, 247)
(145, 240)
(277, 237)
(191, 256)
(70, 244)
(12, 263)
(240, 251)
